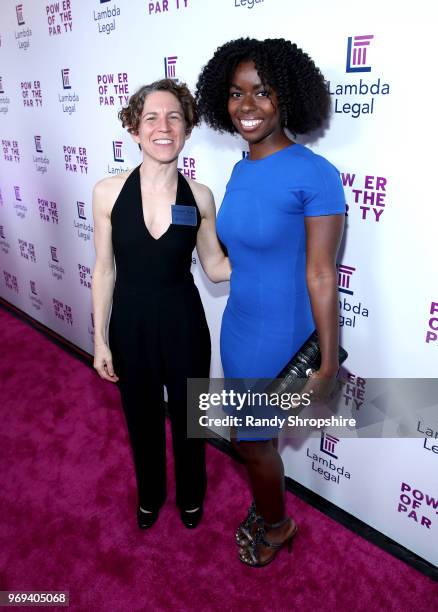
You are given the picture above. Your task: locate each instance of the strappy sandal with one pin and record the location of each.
(249, 556)
(243, 533)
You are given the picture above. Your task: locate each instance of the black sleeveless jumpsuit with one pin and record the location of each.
(158, 336)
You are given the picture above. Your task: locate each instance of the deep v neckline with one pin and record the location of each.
(169, 227)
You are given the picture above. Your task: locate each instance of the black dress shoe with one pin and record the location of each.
(191, 519)
(146, 519)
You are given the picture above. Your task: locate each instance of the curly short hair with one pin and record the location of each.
(130, 115)
(302, 92)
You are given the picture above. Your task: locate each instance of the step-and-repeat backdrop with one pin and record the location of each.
(67, 66)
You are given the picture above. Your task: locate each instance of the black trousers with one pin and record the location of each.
(145, 417)
(169, 345)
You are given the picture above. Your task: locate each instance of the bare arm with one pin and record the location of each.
(213, 260)
(103, 279)
(323, 238)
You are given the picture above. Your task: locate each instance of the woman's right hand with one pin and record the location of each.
(103, 363)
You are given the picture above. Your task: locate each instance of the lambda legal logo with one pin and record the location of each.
(344, 276)
(357, 53)
(54, 254)
(117, 150)
(169, 67)
(33, 287)
(65, 73)
(81, 210)
(17, 193)
(1, 86)
(38, 146)
(328, 444)
(2, 233)
(19, 11)
(350, 312)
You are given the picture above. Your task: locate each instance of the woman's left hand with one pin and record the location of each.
(320, 386)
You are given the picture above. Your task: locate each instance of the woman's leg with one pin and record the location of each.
(266, 476)
(185, 345)
(188, 453)
(144, 412)
(134, 345)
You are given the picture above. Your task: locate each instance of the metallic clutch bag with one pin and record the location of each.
(305, 361)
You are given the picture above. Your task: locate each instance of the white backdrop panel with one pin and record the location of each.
(68, 66)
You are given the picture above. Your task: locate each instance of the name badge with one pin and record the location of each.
(184, 215)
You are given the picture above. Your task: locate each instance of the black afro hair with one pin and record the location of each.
(303, 96)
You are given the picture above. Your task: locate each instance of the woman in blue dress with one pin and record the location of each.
(281, 221)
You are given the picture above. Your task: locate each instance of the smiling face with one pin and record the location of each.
(253, 109)
(162, 128)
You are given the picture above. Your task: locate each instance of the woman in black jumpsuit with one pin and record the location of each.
(158, 333)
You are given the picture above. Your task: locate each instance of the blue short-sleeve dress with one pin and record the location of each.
(261, 222)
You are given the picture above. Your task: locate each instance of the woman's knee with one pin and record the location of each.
(254, 451)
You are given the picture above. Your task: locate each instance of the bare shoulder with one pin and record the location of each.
(203, 196)
(107, 190)
(199, 190)
(111, 184)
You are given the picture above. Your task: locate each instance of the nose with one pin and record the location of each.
(247, 103)
(164, 125)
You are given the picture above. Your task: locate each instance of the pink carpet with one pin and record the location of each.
(68, 513)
